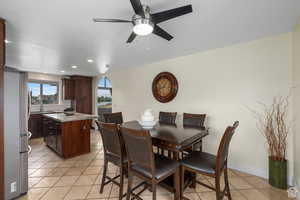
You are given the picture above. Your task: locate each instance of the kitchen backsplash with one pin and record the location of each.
(54, 107)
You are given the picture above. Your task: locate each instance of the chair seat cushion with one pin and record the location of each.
(200, 161)
(163, 167)
(115, 159)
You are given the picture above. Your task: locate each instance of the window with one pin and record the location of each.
(43, 92)
(104, 93)
(104, 97)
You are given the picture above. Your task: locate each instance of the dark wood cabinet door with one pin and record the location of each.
(83, 94)
(35, 125)
(71, 139)
(69, 89)
(76, 138)
(85, 136)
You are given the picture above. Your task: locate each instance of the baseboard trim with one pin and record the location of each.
(257, 172)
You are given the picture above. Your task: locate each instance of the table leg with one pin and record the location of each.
(177, 184)
(177, 178)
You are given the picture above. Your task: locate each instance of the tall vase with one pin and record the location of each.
(278, 173)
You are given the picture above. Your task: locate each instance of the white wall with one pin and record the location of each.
(296, 102)
(222, 83)
(55, 78)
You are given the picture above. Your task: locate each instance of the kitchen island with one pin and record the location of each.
(68, 135)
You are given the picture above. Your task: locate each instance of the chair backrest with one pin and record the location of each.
(167, 117)
(111, 139)
(139, 148)
(195, 120)
(224, 146)
(116, 118)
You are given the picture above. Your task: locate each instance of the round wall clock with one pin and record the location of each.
(164, 87)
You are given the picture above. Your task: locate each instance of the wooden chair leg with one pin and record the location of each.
(103, 175)
(121, 182)
(182, 171)
(153, 191)
(227, 183)
(130, 177)
(177, 184)
(218, 190)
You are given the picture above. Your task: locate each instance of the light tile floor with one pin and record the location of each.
(53, 178)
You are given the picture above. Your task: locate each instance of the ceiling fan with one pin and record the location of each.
(145, 23)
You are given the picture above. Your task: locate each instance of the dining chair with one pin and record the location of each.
(167, 117)
(114, 152)
(116, 118)
(143, 163)
(211, 165)
(194, 120)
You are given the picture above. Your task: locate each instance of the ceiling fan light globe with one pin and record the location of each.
(143, 29)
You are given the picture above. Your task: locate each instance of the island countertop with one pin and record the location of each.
(61, 117)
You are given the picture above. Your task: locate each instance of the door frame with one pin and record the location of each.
(2, 62)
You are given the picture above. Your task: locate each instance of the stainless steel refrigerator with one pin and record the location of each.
(15, 133)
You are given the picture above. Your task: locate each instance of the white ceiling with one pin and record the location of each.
(52, 35)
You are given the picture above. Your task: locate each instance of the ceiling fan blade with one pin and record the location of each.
(131, 37)
(138, 7)
(170, 14)
(162, 33)
(111, 20)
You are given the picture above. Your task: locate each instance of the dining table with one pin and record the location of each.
(176, 139)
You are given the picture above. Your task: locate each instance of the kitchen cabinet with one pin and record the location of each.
(67, 138)
(35, 125)
(83, 94)
(79, 89)
(68, 89)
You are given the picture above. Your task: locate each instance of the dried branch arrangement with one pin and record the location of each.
(272, 123)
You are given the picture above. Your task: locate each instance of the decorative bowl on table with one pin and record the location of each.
(147, 120)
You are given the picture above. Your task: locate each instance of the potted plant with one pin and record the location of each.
(273, 124)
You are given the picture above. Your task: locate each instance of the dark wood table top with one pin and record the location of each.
(177, 135)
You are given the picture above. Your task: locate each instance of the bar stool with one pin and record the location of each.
(211, 165)
(114, 152)
(144, 164)
(194, 120)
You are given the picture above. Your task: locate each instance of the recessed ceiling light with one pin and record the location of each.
(62, 71)
(7, 41)
(74, 67)
(90, 60)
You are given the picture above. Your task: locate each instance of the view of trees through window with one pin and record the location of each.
(46, 93)
(104, 96)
